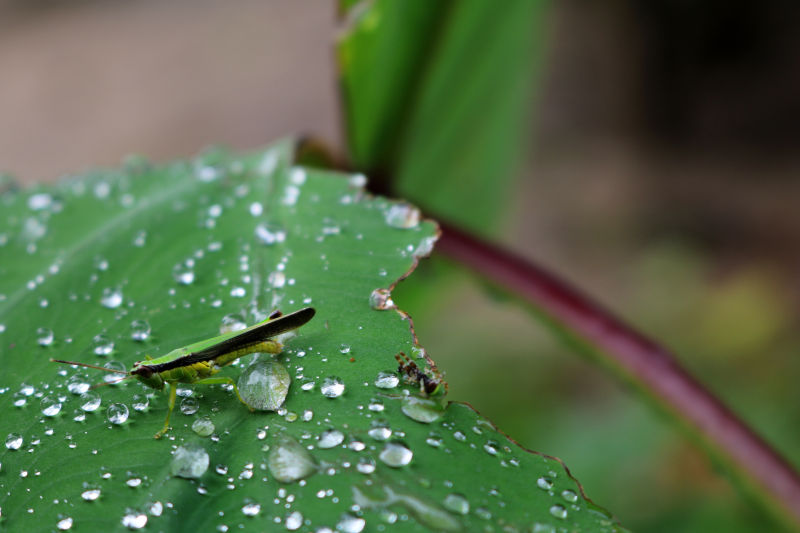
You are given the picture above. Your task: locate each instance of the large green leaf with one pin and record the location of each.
(193, 247)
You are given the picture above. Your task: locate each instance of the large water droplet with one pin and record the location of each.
(91, 495)
(183, 272)
(251, 509)
(559, 511)
(456, 503)
(289, 461)
(387, 380)
(189, 406)
(90, 401)
(396, 454)
(294, 521)
(332, 387)
(134, 519)
(14, 441)
(64, 524)
(264, 385)
(102, 345)
(78, 384)
(51, 405)
(351, 524)
(189, 461)
(380, 430)
(44, 336)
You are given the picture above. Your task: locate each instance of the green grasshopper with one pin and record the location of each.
(198, 362)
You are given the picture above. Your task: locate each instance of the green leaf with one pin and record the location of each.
(437, 95)
(153, 258)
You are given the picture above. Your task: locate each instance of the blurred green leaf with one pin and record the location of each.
(436, 96)
(171, 255)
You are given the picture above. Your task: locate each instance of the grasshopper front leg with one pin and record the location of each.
(173, 390)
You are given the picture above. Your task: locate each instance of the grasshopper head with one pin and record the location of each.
(148, 376)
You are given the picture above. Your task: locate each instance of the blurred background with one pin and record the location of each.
(659, 176)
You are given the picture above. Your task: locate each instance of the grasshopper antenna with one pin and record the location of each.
(88, 366)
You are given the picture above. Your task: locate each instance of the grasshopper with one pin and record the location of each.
(198, 362)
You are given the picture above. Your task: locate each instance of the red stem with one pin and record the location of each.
(651, 366)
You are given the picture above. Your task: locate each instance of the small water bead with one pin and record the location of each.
(39, 201)
(396, 454)
(351, 524)
(91, 495)
(559, 511)
(238, 292)
(276, 279)
(50, 405)
(134, 482)
(434, 439)
(78, 384)
(140, 402)
(102, 345)
(140, 330)
(90, 401)
(231, 323)
(308, 415)
(134, 519)
(268, 234)
(544, 483)
(294, 521)
(117, 413)
(332, 387)
(111, 297)
(402, 216)
(387, 380)
(203, 426)
(381, 299)
(456, 503)
(256, 209)
(425, 247)
(491, 447)
(156, 508)
(375, 405)
(330, 438)
(183, 272)
(64, 524)
(189, 461)
(140, 239)
(44, 336)
(380, 430)
(189, 406)
(308, 385)
(251, 509)
(569, 495)
(14, 441)
(366, 465)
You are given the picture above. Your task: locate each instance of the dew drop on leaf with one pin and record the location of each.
(264, 385)
(117, 413)
(289, 461)
(332, 387)
(189, 461)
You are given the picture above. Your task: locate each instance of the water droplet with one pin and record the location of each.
(78, 384)
(330, 438)
(380, 430)
(344, 348)
(256, 209)
(50, 405)
(111, 298)
(90, 495)
(183, 273)
(375, 405)
(113, 377)
(251, 509)
(189, 461)
(189, 406)
(44, 336)
(491, 447)
(90, 401)
(332, 387)
(134, 519)
(64, 524)
(117, 413)
(40, 201)
(456, 503)
(351, 524)
(387, 380)
(140, 402)
(231, 323)
(269, 234)
(134, 482)
(381, 299)
(203, 426)
(434, 439)
(403, 216)
(544, 483)
(140, 330)
(396, 454)
(559, 511)
(422, 410)
(238, 292)
(289, 461)
(425, 247)
(366, 465)
(102, 345)
(276, 279)
(14, 441)
(569, 495)
(264, 385)
(140, 239)
(294, 521)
